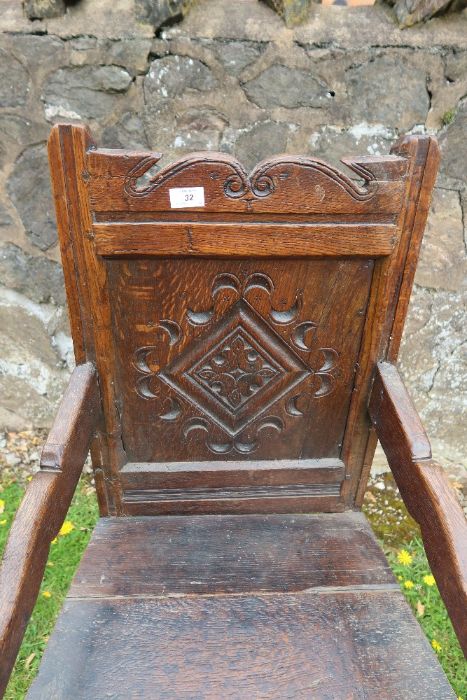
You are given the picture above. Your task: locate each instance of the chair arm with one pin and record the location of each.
(43, 510)
(425, 490)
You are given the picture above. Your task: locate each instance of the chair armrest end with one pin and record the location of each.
(425, 490)
(43, 510)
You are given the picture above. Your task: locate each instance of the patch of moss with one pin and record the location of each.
(448, 116)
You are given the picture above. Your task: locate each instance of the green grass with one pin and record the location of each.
(63, 561)
(397, 532)
(394, 528)
(422, 593)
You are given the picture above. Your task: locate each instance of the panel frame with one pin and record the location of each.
(402, 181)
(152, 344)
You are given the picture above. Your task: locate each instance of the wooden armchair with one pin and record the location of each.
(235, 337)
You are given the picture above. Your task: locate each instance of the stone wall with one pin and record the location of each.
(229, 77)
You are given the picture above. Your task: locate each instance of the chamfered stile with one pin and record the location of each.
(386, 317)
(68, 145)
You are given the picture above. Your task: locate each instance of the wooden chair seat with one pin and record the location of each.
(250, 606)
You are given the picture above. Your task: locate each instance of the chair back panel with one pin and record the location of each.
(219, 359)
(235, 320)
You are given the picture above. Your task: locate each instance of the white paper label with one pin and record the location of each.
(182, 197)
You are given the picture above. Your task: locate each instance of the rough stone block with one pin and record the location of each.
(199, 129)
(288, 87)
(161, 12)
(452, 143)
(31, 373)
(409, 12)
(434, 364)
(128, 132)
(44, 9)
(172, 76)
(333, 144)
(389, 89)
(237, 55)
(16, 132)
(259, 141)
(14, 81)
(30, 192)
(88, 92)
(443, 259)
(130, 53)
(293, 12)
(40, 54)
(38, 278)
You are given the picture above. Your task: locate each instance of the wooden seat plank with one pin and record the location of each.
(246, 606)
(241, 553)
(351, 645)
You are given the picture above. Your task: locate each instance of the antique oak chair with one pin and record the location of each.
(235, 338)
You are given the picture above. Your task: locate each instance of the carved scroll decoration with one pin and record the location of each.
(235, 373)
(264, 179)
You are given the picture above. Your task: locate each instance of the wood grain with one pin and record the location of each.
(68, 145)
(282, 184)
(43, 510)
(336, 253)
(220, 239)
(425, 490)
(235, 554)
(425, 156)
(385, 319)
(326, 646)
(235, 347)
(68, 225)
(236, 487)
(314, 498)
(174, 321)
(154, 475)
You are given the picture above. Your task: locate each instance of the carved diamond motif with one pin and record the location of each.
(234, 374)
(236, 369)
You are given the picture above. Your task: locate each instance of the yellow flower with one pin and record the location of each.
(66, 528)
(436, 645)
(408, 584)
(404, 557)
(429, 579)
(29, 478)
(2, 505)
(54, 541)
(3, 522)
(47, 594)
